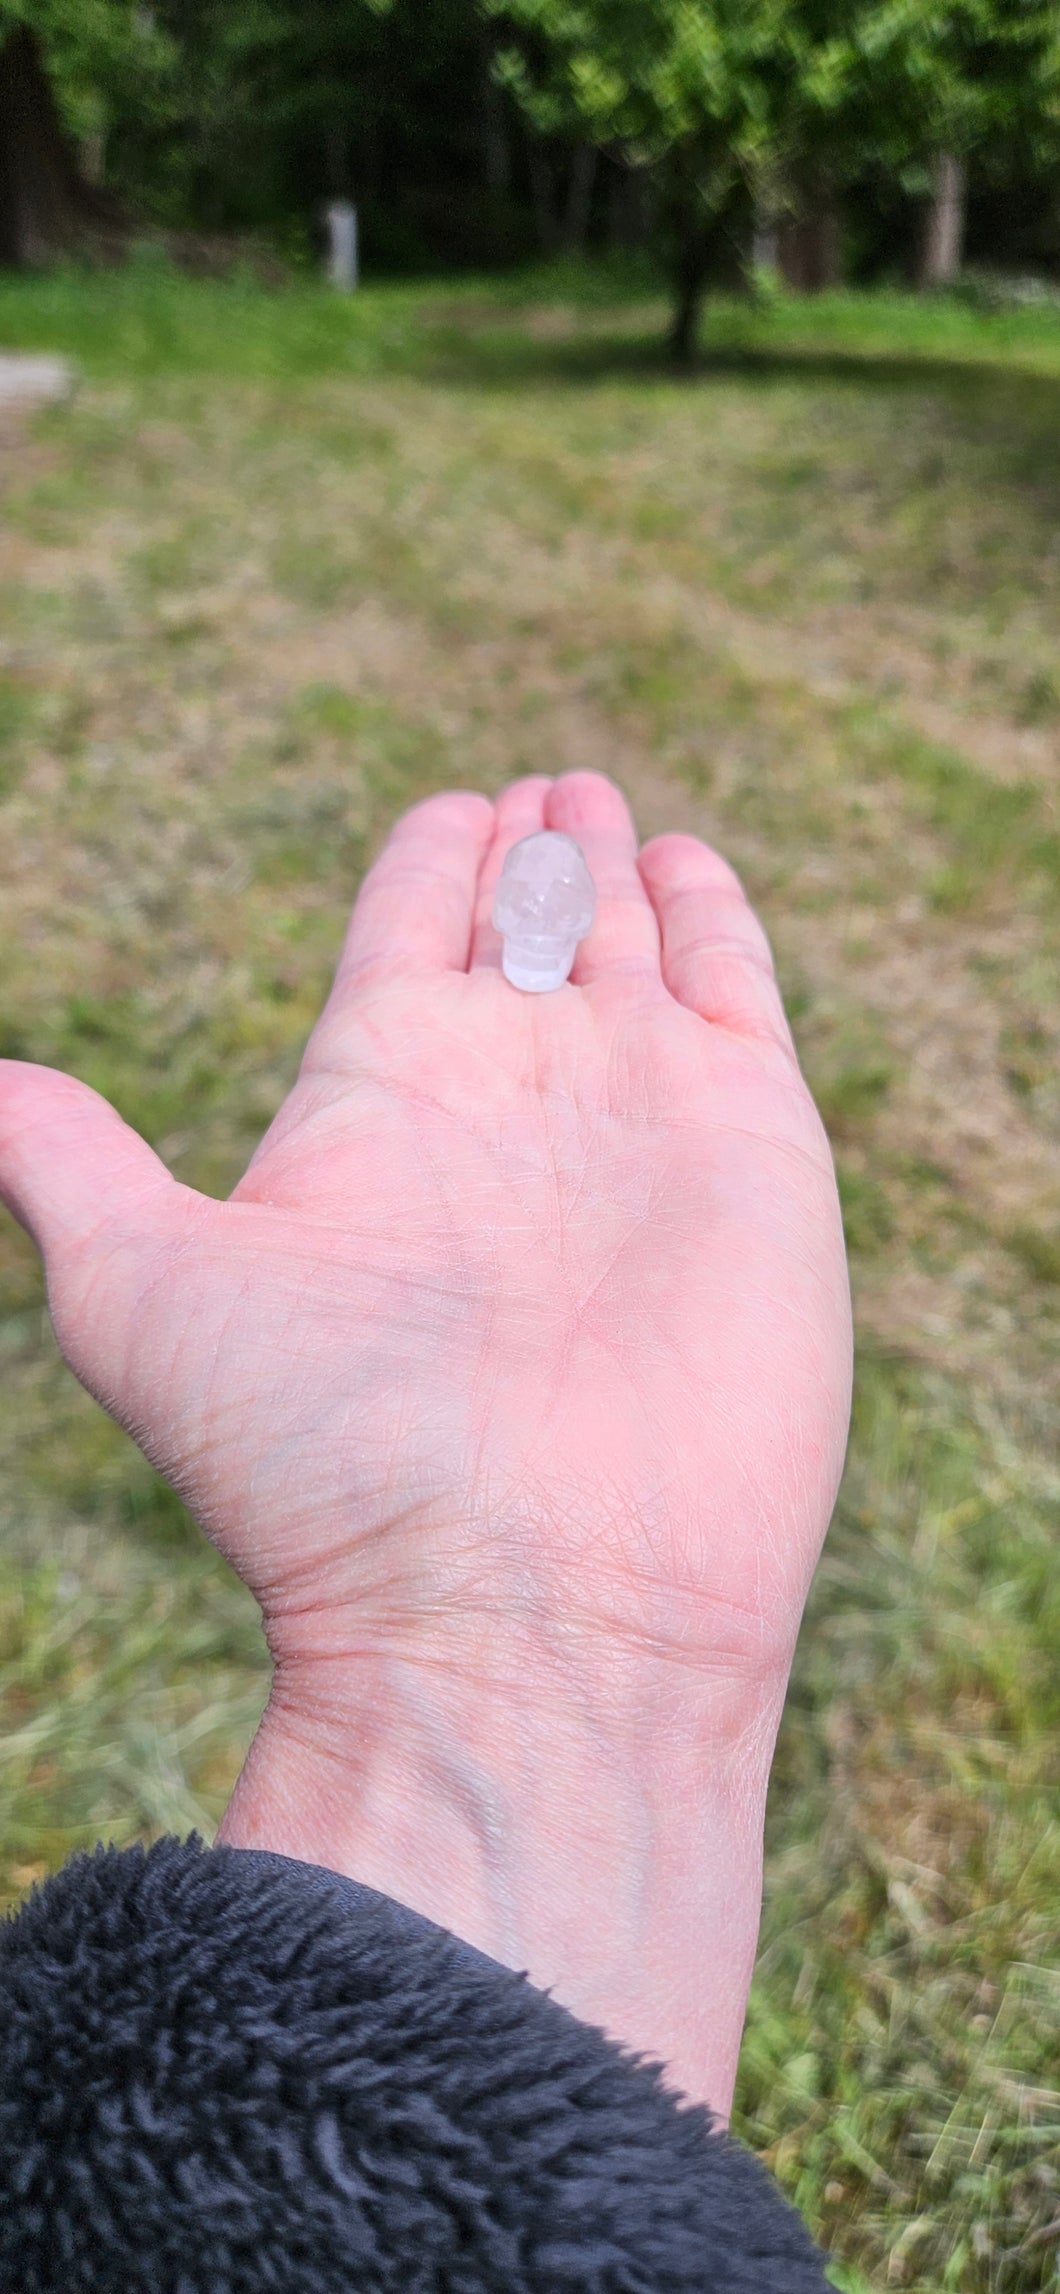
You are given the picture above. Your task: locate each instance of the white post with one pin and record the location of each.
(343, 264)
(941, 262)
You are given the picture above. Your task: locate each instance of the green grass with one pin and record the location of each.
(905, 2021)
(148, 319)
(284, 563)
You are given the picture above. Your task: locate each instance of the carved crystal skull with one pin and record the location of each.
(544, 904)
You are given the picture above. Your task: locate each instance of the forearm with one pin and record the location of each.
(606, 1839)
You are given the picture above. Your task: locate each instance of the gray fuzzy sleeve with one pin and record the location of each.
(226, 2072)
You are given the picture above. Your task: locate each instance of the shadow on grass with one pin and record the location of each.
(1014, 412)
(509, 354)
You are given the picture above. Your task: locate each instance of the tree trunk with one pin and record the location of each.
(495, 145)
(47, 209)
(337, 160)
(643, 207)
(619, 209)
(542, 187)
(579, 198)
(630, 215)
(690, 281)
(809, 246)
(944, 230)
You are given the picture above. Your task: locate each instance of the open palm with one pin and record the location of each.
(529, 1320)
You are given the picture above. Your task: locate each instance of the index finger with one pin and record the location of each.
(415, 908)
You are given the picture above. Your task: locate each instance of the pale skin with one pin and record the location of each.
(514, 1379)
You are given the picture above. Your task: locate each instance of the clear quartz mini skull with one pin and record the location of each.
(544, 904)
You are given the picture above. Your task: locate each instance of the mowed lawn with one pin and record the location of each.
(283, 565)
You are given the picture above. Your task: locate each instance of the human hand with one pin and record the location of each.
(513, 1378)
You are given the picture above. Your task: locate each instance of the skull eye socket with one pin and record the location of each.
(528, 906)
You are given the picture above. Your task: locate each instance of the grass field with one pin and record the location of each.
(285, 563)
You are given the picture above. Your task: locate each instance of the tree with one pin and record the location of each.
(924, 94)
(997, 90)
(55, 58)
(44, 205)
(689, 89)
(779, 105)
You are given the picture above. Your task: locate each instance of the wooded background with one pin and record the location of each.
(856, 140)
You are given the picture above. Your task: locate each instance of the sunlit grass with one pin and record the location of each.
(283, 564)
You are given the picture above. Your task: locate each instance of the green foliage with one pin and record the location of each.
(693, 87)
(104, 56)
(887, 83)
(654, 75)
(779, 82)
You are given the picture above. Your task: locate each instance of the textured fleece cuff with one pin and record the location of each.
(223, 2071)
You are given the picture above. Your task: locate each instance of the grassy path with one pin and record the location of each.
(259, 593)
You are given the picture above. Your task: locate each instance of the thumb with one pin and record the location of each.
(97, 1201)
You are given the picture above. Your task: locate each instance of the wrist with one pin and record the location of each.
(605, 1835)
